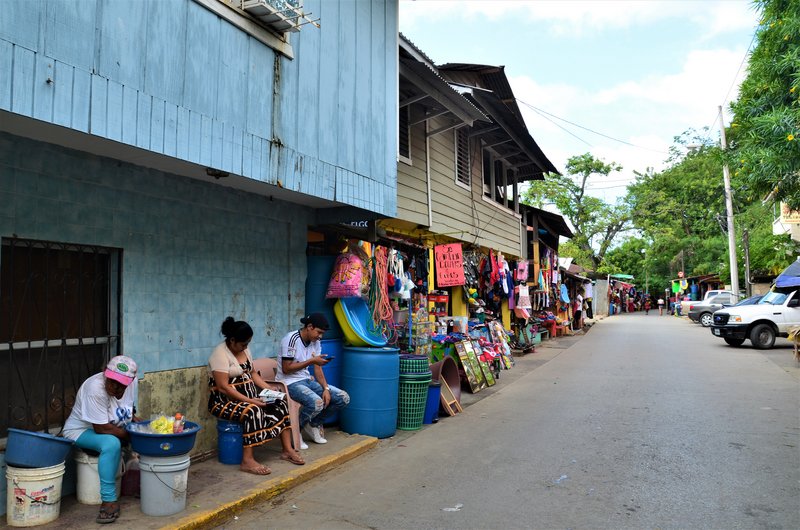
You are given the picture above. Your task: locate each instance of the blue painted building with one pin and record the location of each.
(160, 165)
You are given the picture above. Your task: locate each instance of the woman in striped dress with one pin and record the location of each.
(234, 397)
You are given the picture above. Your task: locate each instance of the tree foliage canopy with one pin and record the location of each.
(765, 132)
(595, 222)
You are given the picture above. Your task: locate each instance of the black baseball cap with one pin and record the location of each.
(317, 320)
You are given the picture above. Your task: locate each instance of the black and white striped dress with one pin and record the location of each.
(259, 424)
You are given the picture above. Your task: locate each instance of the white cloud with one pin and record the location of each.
(581, 16)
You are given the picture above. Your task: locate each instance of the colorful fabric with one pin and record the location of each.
(260, 424)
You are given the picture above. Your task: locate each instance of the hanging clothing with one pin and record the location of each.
(523, 298)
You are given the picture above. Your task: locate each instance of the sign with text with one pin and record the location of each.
(449, 265)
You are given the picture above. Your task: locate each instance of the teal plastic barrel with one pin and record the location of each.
(333, 370)
(371, 376)
(319, 269)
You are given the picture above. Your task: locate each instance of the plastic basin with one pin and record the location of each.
(150, 444)
(29, 449)
(355, 319)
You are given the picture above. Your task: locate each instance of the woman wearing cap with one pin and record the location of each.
(103, 407)
(234, 397)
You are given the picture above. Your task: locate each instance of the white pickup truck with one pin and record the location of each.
(771, 317)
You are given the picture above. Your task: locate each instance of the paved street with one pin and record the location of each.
(646, 422)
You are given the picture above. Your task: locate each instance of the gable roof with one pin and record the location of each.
(487, 86)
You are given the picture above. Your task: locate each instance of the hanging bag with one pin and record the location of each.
(345, 279)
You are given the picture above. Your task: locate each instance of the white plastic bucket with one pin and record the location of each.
(163, 483)
(34, 495)
(89, 478)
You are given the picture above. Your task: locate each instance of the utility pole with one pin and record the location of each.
(726, 177)
(748, 287)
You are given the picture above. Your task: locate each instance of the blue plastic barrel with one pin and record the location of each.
(319, 269)
(371, 376)
(229, 442)
(432, 404)
(333, 370)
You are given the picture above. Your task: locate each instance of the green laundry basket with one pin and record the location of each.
(412, 398)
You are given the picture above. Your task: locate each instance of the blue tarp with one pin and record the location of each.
(790, 277)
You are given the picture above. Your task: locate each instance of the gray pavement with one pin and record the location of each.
(647, 422)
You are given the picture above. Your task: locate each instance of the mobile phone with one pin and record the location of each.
(330, 358)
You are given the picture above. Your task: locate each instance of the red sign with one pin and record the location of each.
(449, 265)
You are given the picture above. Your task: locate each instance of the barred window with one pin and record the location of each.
(59, 324)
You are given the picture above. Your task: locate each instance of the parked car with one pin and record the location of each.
(753, 300)
(703, 311)
(771, 317)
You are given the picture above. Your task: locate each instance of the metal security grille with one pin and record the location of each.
(462, 156)
(59, 323)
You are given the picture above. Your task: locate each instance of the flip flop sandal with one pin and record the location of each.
(107, 517)
(296, 460)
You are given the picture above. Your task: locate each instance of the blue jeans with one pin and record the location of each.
(309, 394)
(110, 449)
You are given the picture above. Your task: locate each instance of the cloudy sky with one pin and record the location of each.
(639, 71)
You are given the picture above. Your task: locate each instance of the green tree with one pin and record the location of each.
(595, 222)
(765, 132)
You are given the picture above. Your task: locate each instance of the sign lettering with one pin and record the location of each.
(449, 265)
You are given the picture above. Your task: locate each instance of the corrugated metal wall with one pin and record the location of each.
(176, 79)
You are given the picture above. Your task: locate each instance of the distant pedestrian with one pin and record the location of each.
(647, 306)
(660, 306)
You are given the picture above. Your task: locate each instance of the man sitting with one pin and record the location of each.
(320, 401)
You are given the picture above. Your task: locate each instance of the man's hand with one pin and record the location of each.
(320, 360)
(326, 397)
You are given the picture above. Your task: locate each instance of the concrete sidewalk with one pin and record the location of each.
(217, 492)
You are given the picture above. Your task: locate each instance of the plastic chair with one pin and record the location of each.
(267, 367)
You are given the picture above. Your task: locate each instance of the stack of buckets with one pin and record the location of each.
(415, 376)
(34, 473)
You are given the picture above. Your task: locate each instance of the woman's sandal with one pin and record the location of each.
(294, 459)
(106, 516)
(258, 470)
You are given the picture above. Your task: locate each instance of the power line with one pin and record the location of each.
(733, 82)
(542, 114)
(538, 110)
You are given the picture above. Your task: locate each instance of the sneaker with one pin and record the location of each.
(303, 444)
(316, 433)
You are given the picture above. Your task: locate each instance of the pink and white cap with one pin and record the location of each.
(121, 369)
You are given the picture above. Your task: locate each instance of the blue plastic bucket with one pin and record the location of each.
(152, 444)
(229, 442)
(319, 269)
(27, 449)
(371, 377)
(432, 404)
(333, 370)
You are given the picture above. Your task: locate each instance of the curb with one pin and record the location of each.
(272, 488)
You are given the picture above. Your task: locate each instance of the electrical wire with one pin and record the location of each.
(538, 110)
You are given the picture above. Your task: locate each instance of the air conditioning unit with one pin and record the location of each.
(280, 15)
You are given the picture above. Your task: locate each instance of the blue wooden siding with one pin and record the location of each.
(176, 79)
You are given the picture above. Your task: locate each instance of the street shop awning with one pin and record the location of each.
(552, 222)
(621, 276)
(789, 277)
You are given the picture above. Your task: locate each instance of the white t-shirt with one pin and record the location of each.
(660, 301)
(588, 290)
(93, 405)
(578, 303)
(292, 347)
